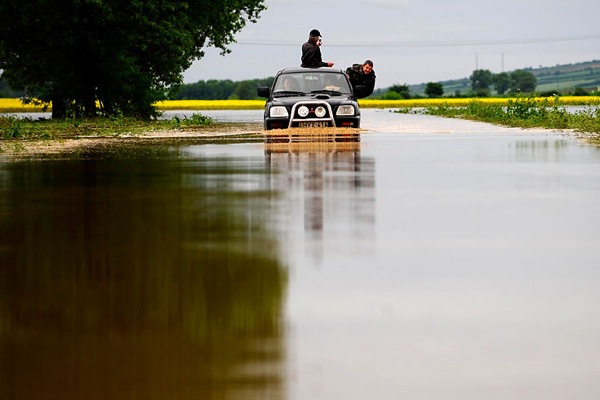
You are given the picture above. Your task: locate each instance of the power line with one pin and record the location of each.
(433, 43)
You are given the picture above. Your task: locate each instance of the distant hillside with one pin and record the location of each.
(562, 78)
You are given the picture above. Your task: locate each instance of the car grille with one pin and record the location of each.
(311, 116)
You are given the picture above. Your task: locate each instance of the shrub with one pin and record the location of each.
(10, 127)
(580, 92)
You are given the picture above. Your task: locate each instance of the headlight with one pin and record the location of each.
(278, 111)
(303, 111)
(320, 111)
(345, 110)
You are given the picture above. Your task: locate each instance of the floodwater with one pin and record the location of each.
(435, 259)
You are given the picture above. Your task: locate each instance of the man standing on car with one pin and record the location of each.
(311, 52)
(362, 75)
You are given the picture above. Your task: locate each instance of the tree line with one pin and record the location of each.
(221, 89)
(482, 81)
(518, 81)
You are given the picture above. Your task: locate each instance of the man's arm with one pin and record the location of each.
(352, 74)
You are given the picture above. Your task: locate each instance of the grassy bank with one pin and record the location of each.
(12, 127)
(525, 113)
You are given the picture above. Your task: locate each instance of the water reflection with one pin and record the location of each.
(332, 186)
(540, 150)
(138, 278)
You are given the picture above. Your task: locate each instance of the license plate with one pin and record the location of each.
(316, 124)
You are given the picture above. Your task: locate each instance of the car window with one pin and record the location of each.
(310, 81)
(335, 82)
(288, 82)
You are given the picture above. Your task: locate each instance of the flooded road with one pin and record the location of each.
(434, 259)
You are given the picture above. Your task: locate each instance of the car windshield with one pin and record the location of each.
(312, 82)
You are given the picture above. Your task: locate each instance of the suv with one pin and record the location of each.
(311, 98)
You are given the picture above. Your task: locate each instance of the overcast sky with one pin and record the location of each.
(412, 41)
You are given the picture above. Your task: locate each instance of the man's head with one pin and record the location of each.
(315, 37)
(367, 67)
(290, 83)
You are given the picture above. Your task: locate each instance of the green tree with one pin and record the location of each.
(397, 91)
(522, 81)
(481, 80)
(245, 90)
(501, 82)
(123, 54)
(434, 89)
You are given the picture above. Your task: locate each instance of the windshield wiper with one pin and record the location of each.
(333, 92)
(288, 93)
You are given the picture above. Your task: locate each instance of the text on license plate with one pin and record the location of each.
(315, 124)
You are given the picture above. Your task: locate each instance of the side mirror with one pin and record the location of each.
(361, 91)
(263, 91)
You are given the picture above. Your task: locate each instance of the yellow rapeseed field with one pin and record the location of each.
(15, 105)
(364, 103)
(211, 105)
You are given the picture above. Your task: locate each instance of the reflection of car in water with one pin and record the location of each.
(328, 189)
(311, 98)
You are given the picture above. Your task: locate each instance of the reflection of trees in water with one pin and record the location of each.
(143, 280)
(332, 185)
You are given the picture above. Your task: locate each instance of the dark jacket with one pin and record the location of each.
(311, 56)
(358, 77)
